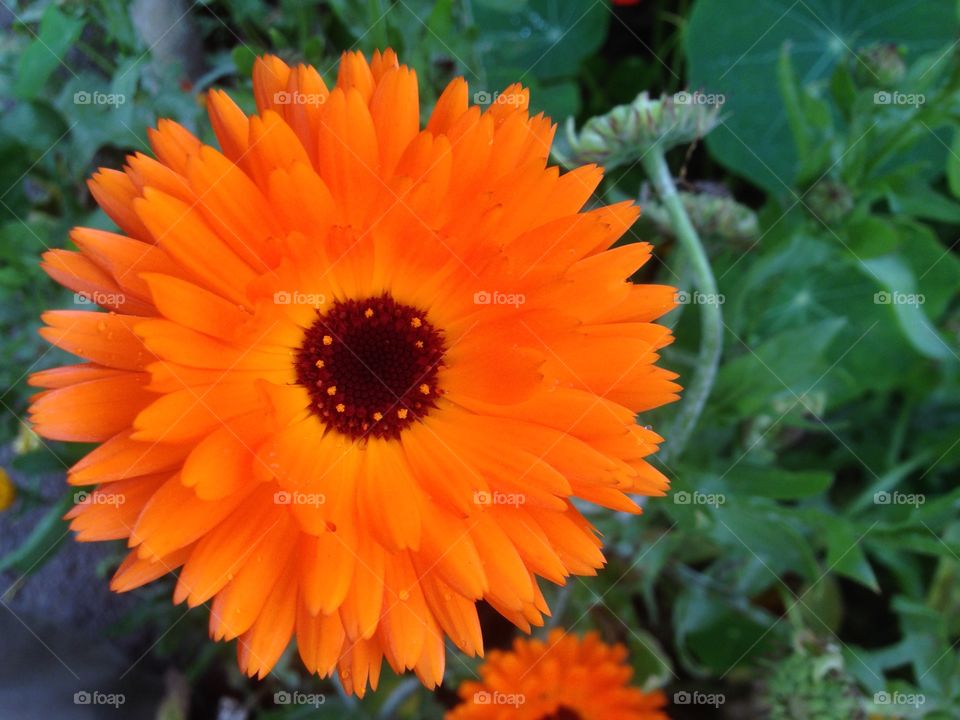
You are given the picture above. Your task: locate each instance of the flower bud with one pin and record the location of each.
(625, 133)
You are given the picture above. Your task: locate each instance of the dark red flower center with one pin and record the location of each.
(371, 366)
(562, 713)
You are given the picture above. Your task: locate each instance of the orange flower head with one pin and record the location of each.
(348, 374)
(564, 678)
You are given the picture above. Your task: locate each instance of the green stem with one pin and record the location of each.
(711, 320)
(397, 697)
(562, 600)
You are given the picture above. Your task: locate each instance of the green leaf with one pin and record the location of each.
(38, 462)
(872, 236)
(711, 633)
(766, 537)
(501, 5)
(118, 24)
(352, 14)
(775, 367)
(441, 20)
(953, 164)
(920, 541)
(556, 100)
(732, 47)
(243, 59)
(821, 605)
(56, 35)
(936, 266)
(543, 39)
(47, 535)
(791, 102)
(843, 91)
(779, 484)
(907, 304)
(652, 666)
(805, 116)
(917, 199)
(845, 554)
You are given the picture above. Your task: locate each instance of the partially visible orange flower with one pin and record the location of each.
(353, 372)
(564, 678)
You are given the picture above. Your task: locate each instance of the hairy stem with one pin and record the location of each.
(711, 320)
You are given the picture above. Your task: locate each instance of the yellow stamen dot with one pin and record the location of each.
(332, 390)
(341, 407)
(319, 364)
(416, 322)
(425, 389)
(402, 413)
(368, 312)
(378, 416)
(419, 343)
(327, 340)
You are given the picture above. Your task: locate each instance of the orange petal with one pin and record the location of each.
(91, 411)
(395, 109)
(262, 645)
(104, 338)
(114, 193)
(181, 231)
(134, 571)
(194, 307)
(120, 457)
(173, 144)
(238, 605)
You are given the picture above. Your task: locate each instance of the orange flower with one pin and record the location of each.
(564, 678)
(353, 372)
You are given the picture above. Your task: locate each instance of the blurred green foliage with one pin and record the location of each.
(810, 549)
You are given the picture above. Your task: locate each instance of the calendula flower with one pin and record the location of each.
(353, 372)
(564, 678)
